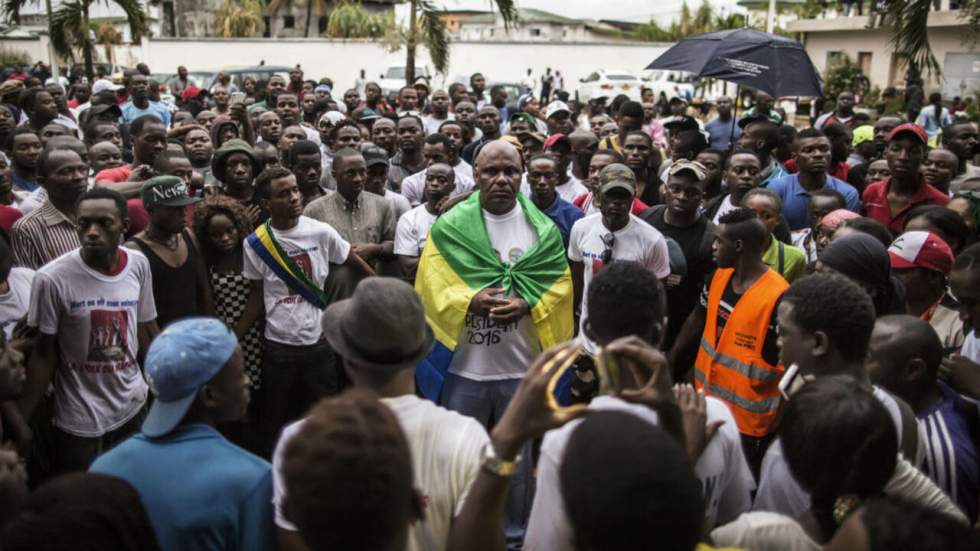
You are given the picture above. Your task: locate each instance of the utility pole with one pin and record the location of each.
(52, 57)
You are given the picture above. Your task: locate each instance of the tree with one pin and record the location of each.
(704, 20)
(107, 36)
(425, 26)
(239, 18)
(70, 28)
(351, 20)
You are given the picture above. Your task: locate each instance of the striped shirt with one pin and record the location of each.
(952, 430)
(43, 235)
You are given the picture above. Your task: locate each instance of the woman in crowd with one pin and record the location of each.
(864, 260)
(221, 227)
(941, 221)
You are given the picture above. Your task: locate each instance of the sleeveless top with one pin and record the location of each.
(175, 290)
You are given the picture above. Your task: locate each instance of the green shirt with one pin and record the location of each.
(793, 263)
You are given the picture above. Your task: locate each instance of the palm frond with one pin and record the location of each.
(909, 37)
(68, 29)
(135, 15)
(434, 35)
(508, 11)
(10, 9)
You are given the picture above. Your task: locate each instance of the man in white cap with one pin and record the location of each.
(200, 491)
(558, 118)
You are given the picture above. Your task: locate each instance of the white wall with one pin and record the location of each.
(341, 60)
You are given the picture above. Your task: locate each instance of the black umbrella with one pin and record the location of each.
(777, 65)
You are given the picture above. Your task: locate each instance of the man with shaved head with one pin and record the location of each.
(517, 249)
(904, 358)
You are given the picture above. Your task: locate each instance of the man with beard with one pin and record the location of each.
(270, 127)
(961, 139)
(440, 112)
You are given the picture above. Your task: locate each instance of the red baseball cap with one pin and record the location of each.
(191, 92)
(921, 249)
(555, 138)
(909, 127)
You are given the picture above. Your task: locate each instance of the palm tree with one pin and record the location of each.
(425, 25)
(239, 18)
(70, 28)
(107, 36)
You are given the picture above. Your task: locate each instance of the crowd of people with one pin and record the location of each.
(264, 318)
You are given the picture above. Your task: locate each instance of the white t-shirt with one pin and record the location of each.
(722, 470)
(312, 245)
(98, 385)
(16, 301)
(971, 346)
(431, 123)
(637, 241)
(487, 351)
(780, 493)
(413, 186)
(762, 531)
(725, 208)
(572, 189)
(412, 231)
(446, 450)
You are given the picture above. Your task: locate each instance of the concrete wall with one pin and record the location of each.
(947, 34)
(341, 60)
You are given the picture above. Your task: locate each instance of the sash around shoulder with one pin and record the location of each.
(264, 243)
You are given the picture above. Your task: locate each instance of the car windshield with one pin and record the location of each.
(620, 77)
(395, 72)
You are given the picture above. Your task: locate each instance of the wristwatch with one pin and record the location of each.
(497, 466)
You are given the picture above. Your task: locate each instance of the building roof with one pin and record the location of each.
(525, 15)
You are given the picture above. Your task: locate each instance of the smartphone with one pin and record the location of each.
(237, 97)
(567, 364)
(791, 382)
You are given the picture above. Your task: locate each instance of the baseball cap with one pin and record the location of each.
(103, 84)
(421, 82)
(865, 133)
(374, 155)
(908, 127)
(185, 356)
(921, 249)
(617, 175)
(333, 117)
(526, 118)
(556, 107)
(323, 88)
(700, 172)
(681, 122)
(677, 97)
(536, 136)
(191, 92)
(368, 114)
(554, 139)
(168, 191)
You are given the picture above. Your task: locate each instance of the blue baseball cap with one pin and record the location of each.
(185, 356)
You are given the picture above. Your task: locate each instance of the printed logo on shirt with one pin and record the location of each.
(513, 255)
(108, 340)
(301, 259)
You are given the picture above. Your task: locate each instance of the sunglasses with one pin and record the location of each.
(607, 254)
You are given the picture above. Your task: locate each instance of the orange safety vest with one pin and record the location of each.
(732, 368)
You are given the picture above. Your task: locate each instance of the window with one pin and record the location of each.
(835, 58)
(322, 25)
(536, 32)
(288, 22)
(864, 62)
(266, 32)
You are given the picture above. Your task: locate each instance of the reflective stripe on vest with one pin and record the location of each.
(768, 405)
(748, 370)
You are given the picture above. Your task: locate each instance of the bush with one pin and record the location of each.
(10, 57)
(839, 76)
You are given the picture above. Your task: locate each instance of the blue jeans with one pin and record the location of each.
(294, 377)
(486, 401)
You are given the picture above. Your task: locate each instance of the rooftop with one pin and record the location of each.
(526, 15)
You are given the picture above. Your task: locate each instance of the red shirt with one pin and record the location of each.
(875, 201)
(138, 218)
(840, 171)
(585, 201)
(9, 215)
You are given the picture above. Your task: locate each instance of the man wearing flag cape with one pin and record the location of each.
(497, 290)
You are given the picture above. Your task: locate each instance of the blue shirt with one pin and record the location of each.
(720, 133)
(20, 183)
(951, 449)
(131, 112)
(200, 491)
(796, 200)
(564, 215)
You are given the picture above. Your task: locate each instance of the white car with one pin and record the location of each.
(393, 78)
(609, 83)
(671, 83)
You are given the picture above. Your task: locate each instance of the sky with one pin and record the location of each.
(624, 10)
